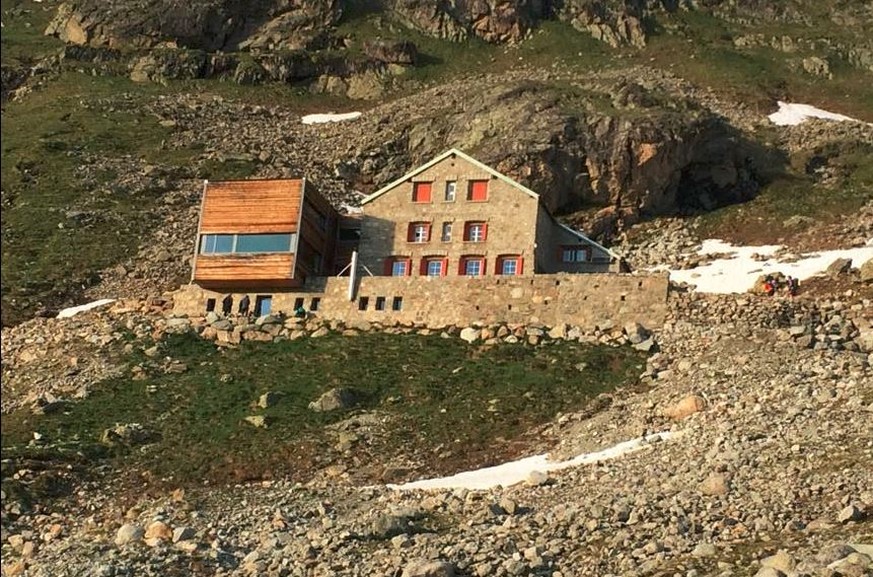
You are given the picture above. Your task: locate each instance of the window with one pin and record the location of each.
(446, 236)
(421, 191)
(363, 303)
(246, 243)
(380, 303)
(418, 232)
(472, 266)
(451, 187)
(298, 302)
(349, 234)
(475, 231)
(434, 266)
(574, 254)
(509, 265)
(397, 266)
(210, 305)
(477, 191)
(397, 304)
(216, 243)
(314, 303)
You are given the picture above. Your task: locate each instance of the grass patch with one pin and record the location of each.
(435, 393)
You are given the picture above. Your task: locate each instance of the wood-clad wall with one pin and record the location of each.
(214, 269)
(251, 206)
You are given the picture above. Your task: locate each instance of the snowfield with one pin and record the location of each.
(790, 114)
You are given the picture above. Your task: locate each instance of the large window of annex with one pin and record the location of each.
(247, 243)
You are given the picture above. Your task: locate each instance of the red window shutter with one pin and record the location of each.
(422, 268)
(479, 190)
(498, 265)
(445, 268)
(484, 267)
(421, 192)
(520, 265)
(462, 266)
(389, 266)
(410, 232)
(484, 231)
(408, 267)
(427, 235)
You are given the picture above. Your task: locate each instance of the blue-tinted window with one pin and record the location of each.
(263, 243)
(245, 243)
(216, 243)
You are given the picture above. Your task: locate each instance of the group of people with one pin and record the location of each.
(771, 285)
(243, 309)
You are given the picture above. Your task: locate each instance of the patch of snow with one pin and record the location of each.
(73, 311)
(790, 114)
(517, 471)
(738, 272)
(330, 117)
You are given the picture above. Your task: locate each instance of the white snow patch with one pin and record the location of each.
(73, 311)
(517, 471)
(738, 272)
(330, 117)
(790, 114)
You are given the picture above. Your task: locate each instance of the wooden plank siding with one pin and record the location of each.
(251, 206)
(215, 269)
(263, 207)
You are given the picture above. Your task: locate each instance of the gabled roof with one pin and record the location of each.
(441, 157)
(581, 236)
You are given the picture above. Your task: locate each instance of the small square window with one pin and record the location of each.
(380, 303)
(400, 268)
(446, 235)
(397, 304)
(451, 188)
(478, 191)
(475, 232)
(363, 303)
(419, 232)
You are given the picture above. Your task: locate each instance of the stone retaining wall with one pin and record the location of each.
(583, 300)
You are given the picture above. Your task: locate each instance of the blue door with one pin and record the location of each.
(263, 305)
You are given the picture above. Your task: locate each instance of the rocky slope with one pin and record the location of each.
(767, 474)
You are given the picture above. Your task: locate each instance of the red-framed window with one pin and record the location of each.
(471, 265)
(421, 191)
(475, 231)
(398, 266)
(509, 265)
(418, 232)
(477, 191)
(434, 266)
(575, 253)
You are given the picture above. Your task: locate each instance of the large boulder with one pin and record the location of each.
(341, 398)
(867, 271)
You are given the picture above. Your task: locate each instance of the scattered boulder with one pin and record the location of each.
(341, 398)
(839, 267)
(470, 334)
(269, 399)
(686, 407)
(866, 271)
(425, 568)
(156, 532)
(129, 533)
(715, 485)
(257, 421)
(850, 513)
(130, 434)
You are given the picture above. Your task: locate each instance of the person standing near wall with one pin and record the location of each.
(244, 305)
(227, 305)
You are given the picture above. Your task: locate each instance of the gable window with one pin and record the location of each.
(575, 253)
(418, 232)
(451, 188)
(472, 266)
(477, 191)
(246, 243)
(434, 266)
(509, 265)
(475, 231)
(421, 191)
(446, 235)
(398, 266)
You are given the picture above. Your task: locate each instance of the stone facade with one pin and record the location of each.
(516, 224)
(581, 300)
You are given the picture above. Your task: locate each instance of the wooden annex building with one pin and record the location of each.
(263, 234)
